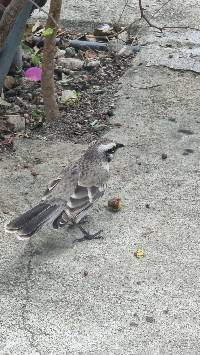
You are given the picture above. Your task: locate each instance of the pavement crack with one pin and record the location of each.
(28, 256)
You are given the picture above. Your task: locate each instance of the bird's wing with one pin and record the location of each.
(76, 189)
(51, 185)
(84, 193)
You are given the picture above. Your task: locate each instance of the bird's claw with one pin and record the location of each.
(88, 236)
(96, 235)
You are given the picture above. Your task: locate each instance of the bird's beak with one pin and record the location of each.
(119, 145)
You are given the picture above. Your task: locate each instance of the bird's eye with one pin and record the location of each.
(111, 151)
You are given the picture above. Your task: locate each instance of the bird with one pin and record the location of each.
(68, 197)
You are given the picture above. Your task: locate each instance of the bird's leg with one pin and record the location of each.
(87, 235)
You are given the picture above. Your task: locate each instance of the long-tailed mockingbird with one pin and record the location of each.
(68, 197)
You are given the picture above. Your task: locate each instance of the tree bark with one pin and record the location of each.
(48, 86)
(8, 19)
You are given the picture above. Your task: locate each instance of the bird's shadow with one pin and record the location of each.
(44, 246)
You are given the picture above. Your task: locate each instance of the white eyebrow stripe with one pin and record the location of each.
(105, 147)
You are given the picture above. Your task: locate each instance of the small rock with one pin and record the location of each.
(60, 53)
(134, 324)
(147, 205)
(68, 95)
(33, 173)
(70, 52)
(150, 319)
(71, 63)
(115, 45)
(17, 122)
(188, 151)
(93, 64)
(172, 119)
(127, 51)
(115, 204)
(170, 56)
(110, 113)
(164, 156)
(9, 82)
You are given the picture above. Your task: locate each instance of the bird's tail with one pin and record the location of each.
(29, 222)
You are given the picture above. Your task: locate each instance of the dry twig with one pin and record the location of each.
(162, 28)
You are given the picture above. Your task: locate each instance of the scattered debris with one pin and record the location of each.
(93, 64)
(139, 254)
(185, 131)
(115, 204)
(9, 82)
(85, 74)
(127, 51)
(34, 74)
(188, 151)
(103, 30)
(164, 156)
(4, 102)
(150, 319)
(71, 63)
(6, 144)
(16, 122)
(69, 97)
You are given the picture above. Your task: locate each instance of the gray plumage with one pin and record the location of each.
(68, 197)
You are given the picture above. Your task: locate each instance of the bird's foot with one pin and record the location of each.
(96, 235)
(85, 219)
(87, 235)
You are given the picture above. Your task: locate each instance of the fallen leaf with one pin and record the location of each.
(47, 32)
(90, 54)
(33, 73)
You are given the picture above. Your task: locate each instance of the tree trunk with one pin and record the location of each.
(48, 86)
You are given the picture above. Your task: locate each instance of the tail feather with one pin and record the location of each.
(29, 222)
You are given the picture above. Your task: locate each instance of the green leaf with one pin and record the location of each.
(35, 113)
(36, 59)
(48, 32)
(78, 94)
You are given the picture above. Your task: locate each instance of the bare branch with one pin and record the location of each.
(162, 28)
(143, 16)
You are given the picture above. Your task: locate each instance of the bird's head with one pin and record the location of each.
(107, 148)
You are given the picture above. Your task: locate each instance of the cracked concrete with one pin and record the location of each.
(60, 297)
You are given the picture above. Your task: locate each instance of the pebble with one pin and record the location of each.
(70, 52)
(68, 95)
(128, 51)
(164, 156)
(93, 64)
(17, 122)
(71, 63)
